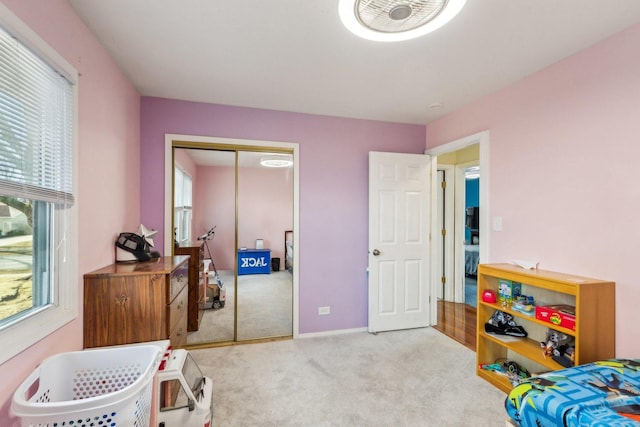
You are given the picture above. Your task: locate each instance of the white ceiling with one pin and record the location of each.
(295, 55)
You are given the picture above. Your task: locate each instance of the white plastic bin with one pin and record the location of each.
(104, 387)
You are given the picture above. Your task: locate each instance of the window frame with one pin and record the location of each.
(38, 324)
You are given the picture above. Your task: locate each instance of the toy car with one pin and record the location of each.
(183, 392)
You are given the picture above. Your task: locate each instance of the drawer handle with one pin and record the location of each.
(121, 299)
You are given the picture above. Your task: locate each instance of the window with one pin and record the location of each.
(182, 205)
(38, 273)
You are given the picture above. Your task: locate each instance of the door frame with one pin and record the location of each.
(481, 138)
(239, 143)
(459, 232)
(446, 242)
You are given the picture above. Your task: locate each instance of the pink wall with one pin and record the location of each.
(265, 210)
(563, 155)
(215, 193)
(109, 157)
(182, 159)
(333, 190)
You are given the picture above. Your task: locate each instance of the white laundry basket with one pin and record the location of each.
(104, 387)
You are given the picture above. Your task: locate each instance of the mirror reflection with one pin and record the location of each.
(214, 200)
(265, 213)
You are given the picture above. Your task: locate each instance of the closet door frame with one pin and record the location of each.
(229, 144)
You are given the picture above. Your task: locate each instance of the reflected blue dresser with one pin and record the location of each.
(254, 261)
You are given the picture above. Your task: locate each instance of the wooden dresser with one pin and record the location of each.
(195, 309)
(128, 303)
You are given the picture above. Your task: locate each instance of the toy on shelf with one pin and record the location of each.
(502, 323)
(512, 370)
(559, 314)
(524, 304)
(508, 291)
(559, 346)
(489, 296)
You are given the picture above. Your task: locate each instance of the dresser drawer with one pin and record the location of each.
(177, 309)
(178, 279)
(178, 337)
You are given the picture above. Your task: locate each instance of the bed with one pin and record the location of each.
(605, 393)
(471, 258)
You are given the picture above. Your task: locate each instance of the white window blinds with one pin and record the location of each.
(36, 126)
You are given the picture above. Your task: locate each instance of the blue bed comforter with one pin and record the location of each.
(605, 393)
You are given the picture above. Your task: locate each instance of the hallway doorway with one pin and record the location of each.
(464, 239)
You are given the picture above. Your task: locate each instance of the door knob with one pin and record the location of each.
(376, 252)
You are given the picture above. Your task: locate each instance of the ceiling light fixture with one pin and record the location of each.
(400, 12)
(283, 161)
(396, 20)
(472, 172)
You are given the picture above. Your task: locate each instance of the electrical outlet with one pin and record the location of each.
(322, 311)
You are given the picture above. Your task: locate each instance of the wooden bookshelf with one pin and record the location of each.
(594, 333)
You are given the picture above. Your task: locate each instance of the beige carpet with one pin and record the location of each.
(265, 309)
(414, 377)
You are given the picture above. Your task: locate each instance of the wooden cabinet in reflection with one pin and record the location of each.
(127, 303)
(195, 309)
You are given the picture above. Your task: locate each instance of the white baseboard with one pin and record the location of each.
(329, 333)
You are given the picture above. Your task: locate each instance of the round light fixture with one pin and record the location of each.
(472, 172)
(282, 161)
(396, 20)
(400, 12)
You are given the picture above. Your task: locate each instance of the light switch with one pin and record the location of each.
(497, 223)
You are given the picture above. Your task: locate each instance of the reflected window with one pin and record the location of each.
(183, 209)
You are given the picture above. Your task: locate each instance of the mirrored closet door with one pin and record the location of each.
(239, 216)
(265, 212)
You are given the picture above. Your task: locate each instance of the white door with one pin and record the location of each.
(399, 200)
